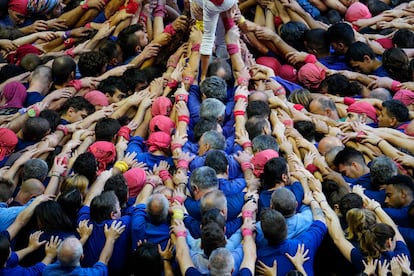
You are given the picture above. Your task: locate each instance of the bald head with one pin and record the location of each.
(29, 189)
(157, 208)
(330, 156)
(70, 252)
(258, 96)
(327, 143)
(324, 106)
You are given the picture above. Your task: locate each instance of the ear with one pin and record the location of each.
(285, 177)
(363, 118)
(328, 112)
(367, 58)
(336, 208)
(113, 215)
(393, 121)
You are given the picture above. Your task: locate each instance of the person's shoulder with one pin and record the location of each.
(192, 271)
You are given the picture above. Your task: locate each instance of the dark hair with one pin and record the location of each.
(292, 33)
(102, 206)
(397, 109)
(6, 191)
(274, 226)
(347, 156)
(350, 201)
(315, 39)
(118, 185)
(132, 77)
(78, 103)
(338, 84)
(62, 67)
(52, 117)
(35, 128)
(284, 201)
(111, 84)
(212, 237)
(86, 165)
(10, 70)
(373, 240)
(382, 168)
(213, 215)
(403, 182)
(306, 129)
(254, 126)
(333, 192)
(51, 217)
(403, 38)
(4, 249)
(214, 87)
(202, 126)
(273, 172)
(333, 16)
(341, 33)
(106, 129)
(218, 64)
(109, 49)
(30, 61)
(396, 62)
(147, 260)
(91, 64)
(357, 52)
(128, 40)
(376, 7)
(257, 108)
(70, 200)
(217, 160)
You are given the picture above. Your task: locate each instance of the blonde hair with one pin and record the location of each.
(77, 181)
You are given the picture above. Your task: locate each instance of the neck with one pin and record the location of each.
(38, 87)
(222, 175)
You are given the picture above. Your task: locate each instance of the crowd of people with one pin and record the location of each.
(214, 137)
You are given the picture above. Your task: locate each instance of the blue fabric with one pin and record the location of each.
(56, 269)
(32, 98)
(307, 6)
(312, 240)
(95, 243)
(289, 86)
(234, 166)
(13, 268)
(335, 62)
(380, 72)
(8, 215)
(357, 257)
(193, 226)
(136, 144)
(231, 187)
(142, 228)
(399, 216)
(151, 159)
(22, 144)
(266, 195)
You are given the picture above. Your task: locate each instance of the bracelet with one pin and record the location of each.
(188, 79)
(184, 118)
(379, 142)
(66, 35)
(63, 128)
(247, 232)
(172, 83)
(84, 5)
(182, 164)
(246, 166)
(121, 165)
(247, 144)
(181, 234)
(247, 214)
(151, 182)
(376, 208)
(243, 97)
(179, 199)
(169, 30)
(175, 146)
(56, 175)
(165, 175)
(395, 86)
(288, 123)
(181, 97)
(239, 113)
(195, 47)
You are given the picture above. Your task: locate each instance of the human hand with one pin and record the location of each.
(38, 26)
(104, 31)
(129, 158)
(178, 226)
(162, 166)
(114, 231)
(57, 24)
(308, 198)
(383, 268)
(180, 23)
(52, 246)
(264, 33)
(34, 242)
(151, 50)
(195, 35)
(96, 4)
(300, 257)
(84, 228)
(242, 157)
(242, 137)
(167, 253)
(319, 196)
(404, 263)
(395, 267)
(179, 139)
(59, 165)
(47, 36)
(182, 109)
(265, 270)
(296, 57)
(7, 45)
(62, 93)
(180, 177)
(90, 82)
(156, 87)
(370, 266)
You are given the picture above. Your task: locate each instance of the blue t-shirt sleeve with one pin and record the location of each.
(193, 226)
(136, 144)
(84, 213)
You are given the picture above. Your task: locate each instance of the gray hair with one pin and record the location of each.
(213, 200)
(35, 168)
(264, 142)
(157, 208)
(214, 139)
(70, 252)
(221, 262)
(214, 87)
(204, 178)
(284, 201)
(212, 109)
(382, 168)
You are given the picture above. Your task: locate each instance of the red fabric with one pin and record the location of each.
(357, 11)
(385, 42)
(8, 141)
(217, 2)
(96, 97)
(104, 153)
(270, 62)
(363, 107)
(161, 123)
(135, 179)
(260, 159)
(21, 52)
(405, 96)
(15, 94)
(311, 75)
(161, 106)
(289, 73)
(158, 141)
(19, 6)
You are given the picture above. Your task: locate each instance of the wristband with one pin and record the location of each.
(54, 175)
(77, 84)
(241, 20)
(182, 164)
(349, 100)
(288, 123)
(175, 146)
(179, 199)
(184, 118)
(181, 234)
(237, 97)
(124, 132)
(69, 42)
(172, 83)
(279, 91)
(172, 62)
(66, 35)
(33, 111)
(178, 214)
(160, 11)
(376, 208)
(84, 5)
(247, 232)
(298, 107)
(188, 79)
(63, 128)
(228, 23)
(246, 166)
(22, 110)
(247, 214)
(233, 49)
(200, 25)
(121, 165)
(239, 113)
(312, 168)
(151, 182)
(379, 142)
(70, 52)
(242, 81)
(132, 7)
(310, 59)
(395, 86)
(195, 47)
(165, 175)
(247, 144)
(181, 97)
(169, 30)
(143, 19)
(88, 25)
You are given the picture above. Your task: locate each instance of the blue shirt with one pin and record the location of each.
(234, 166)
(13, 268)
(9, 214)
(94, 245)
(311, 238)
(266, 195)
(32, 98)
(231, 187)
(56, 269)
